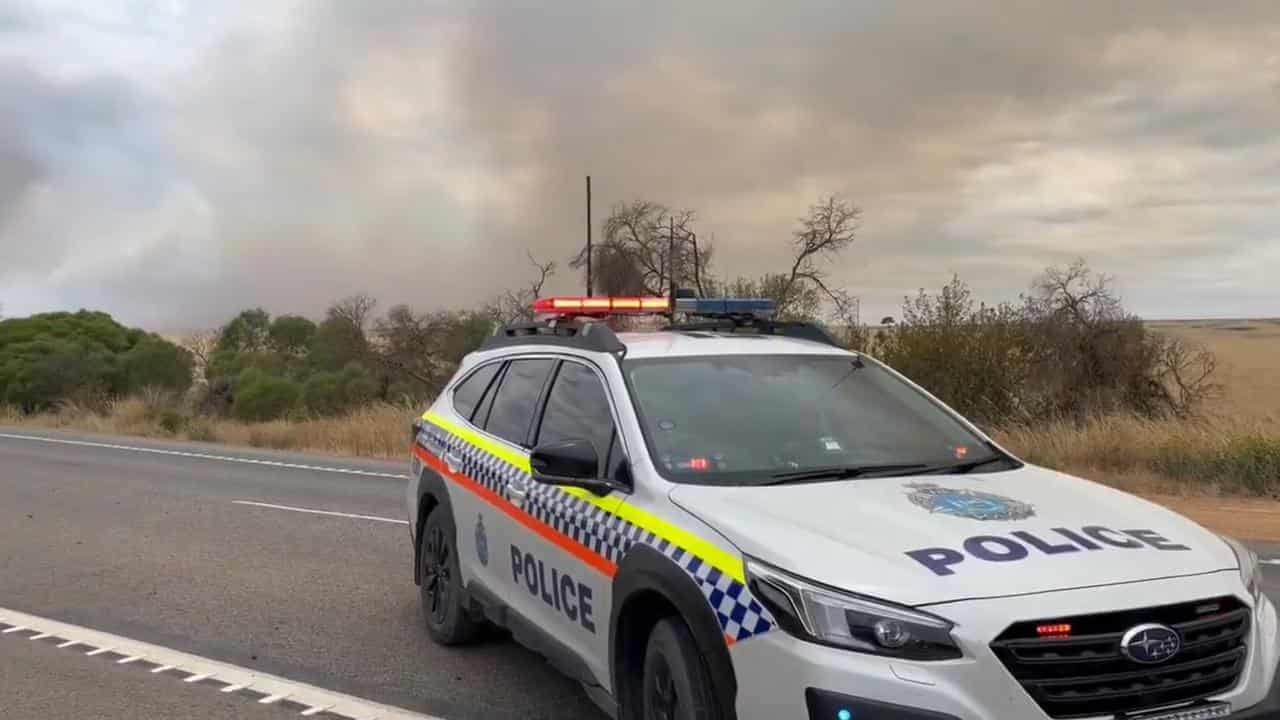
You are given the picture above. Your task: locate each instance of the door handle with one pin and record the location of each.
(516, 492)
(452, 460)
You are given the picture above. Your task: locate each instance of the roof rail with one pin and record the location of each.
(761, 326)
(580, 334)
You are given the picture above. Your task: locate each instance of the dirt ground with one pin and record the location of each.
(1243, 518)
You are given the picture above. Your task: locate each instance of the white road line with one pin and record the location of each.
(314, 710)
(198, 677)
(269, 685)
(69, 643)
(271, 699)
(162, 668)
(127, 660)
(233, 688)
(321, 512)
(1270, 561)
(39, 636)
(99, 651)
(206, 456)
(14, 629)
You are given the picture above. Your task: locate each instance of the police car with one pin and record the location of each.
(734, 517)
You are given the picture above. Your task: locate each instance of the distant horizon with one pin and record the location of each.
(180, 332)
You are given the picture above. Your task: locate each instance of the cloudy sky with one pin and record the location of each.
(171, 161)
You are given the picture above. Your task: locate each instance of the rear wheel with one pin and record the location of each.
(676, 683)
(442, 609)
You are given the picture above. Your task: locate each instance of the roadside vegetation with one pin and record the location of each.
(1063, 375)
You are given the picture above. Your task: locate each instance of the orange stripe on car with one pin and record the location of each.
(543, 530)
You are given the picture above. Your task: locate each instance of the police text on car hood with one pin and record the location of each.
(938, 538)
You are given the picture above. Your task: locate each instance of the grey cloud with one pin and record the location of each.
(417, 149)
(53, 130)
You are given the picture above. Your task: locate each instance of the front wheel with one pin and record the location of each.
(676, 683)
(446, 618)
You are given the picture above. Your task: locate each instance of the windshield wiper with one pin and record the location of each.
(840, 472)
(963, 466)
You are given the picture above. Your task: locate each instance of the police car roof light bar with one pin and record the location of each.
(601, 306)
(760, 326)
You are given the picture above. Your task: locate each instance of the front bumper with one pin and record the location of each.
(824, 705)
(1268, 709)
(781, 676)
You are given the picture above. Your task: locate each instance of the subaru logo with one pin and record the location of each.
(1150, 643)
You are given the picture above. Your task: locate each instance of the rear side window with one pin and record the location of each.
(468, 393)
(577, 408)
(517, 398)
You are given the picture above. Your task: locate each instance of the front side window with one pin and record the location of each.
(511, 416)
(577, 409)
(756, 419)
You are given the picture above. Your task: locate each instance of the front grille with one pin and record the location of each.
(1085, 674)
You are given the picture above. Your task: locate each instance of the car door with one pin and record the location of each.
(578, 604)
(463, 411)
(494, 529)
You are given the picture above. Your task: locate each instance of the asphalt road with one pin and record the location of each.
(152, 547)
(41, 681)
(159, 548)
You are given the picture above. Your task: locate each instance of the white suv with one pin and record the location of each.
(708, 523)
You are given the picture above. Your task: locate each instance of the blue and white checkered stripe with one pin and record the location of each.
(740, 615)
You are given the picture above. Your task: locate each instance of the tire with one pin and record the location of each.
(675, 684)
(446, 618)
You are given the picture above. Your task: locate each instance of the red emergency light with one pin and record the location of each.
(601, 305)
(1055, 630)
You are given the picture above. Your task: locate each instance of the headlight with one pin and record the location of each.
(1250, 570)
(831, 617)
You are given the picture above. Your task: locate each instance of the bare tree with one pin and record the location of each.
(1077, 294)
(201, 346)
(830, 228)
(517, 305)
(410, 343)
(356, 309)
(634, 255)
(1184, 371)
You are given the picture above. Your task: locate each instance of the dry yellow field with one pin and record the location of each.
(1248, 353)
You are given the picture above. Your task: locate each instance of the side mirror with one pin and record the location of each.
(414, 428)
(573, 463)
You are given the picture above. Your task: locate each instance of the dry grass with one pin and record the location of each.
(1213, 457)
(376, 431)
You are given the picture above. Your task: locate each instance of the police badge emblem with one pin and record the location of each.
(482, 541)
(970, 504)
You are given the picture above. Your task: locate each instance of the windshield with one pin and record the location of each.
(748, 419)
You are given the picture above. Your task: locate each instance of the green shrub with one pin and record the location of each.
(155, 363)
(358, 385)
(1248, 463)
(172, 421)
(291, 334)
(260, 397)
(337, 342)
(322, 393)
(51, 358)
(332, 393)
(1068, 351)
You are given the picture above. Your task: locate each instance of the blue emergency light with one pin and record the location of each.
(740, 307)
